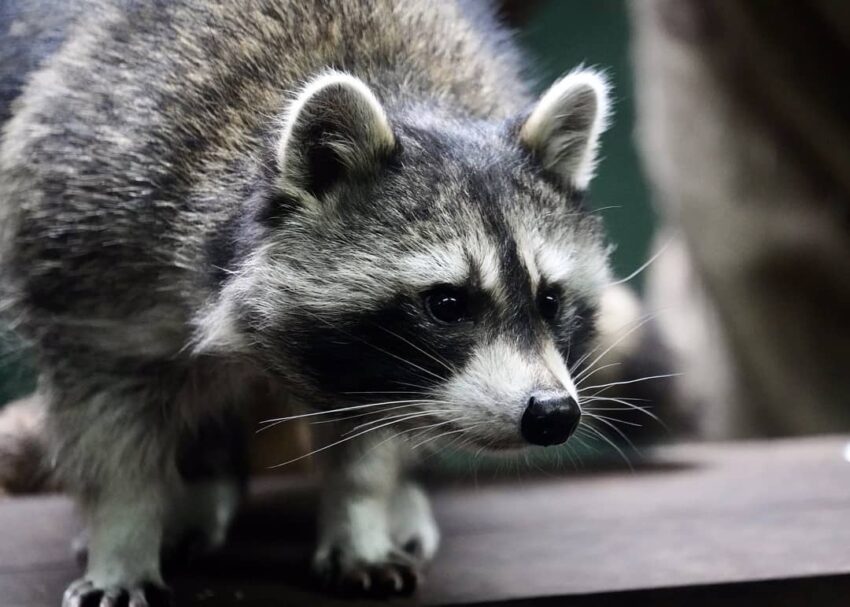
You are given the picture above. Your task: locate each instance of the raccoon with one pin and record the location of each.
(356, 205)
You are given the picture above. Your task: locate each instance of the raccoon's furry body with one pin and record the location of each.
(203, 202)
(173, 104)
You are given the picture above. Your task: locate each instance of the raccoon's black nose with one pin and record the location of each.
(550, 418)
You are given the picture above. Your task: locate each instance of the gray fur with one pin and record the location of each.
(185, 224)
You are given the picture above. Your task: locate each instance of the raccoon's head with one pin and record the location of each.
(432, 272)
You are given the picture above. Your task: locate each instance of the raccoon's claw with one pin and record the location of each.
(375, 580)
(385, 580)
(357, 558)
(84, 593)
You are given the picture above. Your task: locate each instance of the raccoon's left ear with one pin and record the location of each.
(563, 129)
(334, 129)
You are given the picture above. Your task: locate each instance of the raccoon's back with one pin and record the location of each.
(137, 140)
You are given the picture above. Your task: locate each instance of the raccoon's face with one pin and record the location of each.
(431, 274)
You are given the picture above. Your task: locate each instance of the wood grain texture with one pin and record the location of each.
(748, 523)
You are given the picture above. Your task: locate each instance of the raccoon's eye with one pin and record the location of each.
(447, 305)
(549, 304)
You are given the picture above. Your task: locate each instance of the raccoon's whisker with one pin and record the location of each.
(612, 444)
(433, 356)
(399, 417)
(614, 420)
(372, 412)
(225, 270)
(629, 381)
(480, 450)
(403, 419)
(579, 438)
(566, 451)
(582, 434)
(430, 375)
(629, 326)
(601, 409)
(649, 262)
(610, 424)
(334, 444)
(279, 420)
(645, 319)
(409, 385)
(626, 398)
(460, 440)
(378, 348)
(458, 443)
(582, 377)
(419, 430)
(385, 392)
(631, 406)
(612, 206)
(436, 436)
(575, 452)
(440, 435)
(411, 363)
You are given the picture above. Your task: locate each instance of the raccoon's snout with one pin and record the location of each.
(550, 418)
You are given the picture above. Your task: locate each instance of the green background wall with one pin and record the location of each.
(16, 376)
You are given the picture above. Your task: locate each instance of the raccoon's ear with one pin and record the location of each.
(333, 130)
(563, 128)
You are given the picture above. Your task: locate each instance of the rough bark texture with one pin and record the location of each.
(745, 131)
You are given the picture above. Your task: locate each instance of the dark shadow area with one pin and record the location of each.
(822, 591)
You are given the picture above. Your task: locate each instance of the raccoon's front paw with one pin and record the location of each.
(85, 593)
(378, 549)
(412, 525)
(344, 571)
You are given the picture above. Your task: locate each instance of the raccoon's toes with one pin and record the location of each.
(85, 593)
(412, 526)
(383, 580)
(397, 575)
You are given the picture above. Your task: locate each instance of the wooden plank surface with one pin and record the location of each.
(749, 523)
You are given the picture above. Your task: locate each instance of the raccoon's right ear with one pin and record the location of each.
(334, 130)
(563, 129)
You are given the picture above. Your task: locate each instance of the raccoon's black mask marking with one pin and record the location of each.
(575, 333)
(396, 348)
(391, 349)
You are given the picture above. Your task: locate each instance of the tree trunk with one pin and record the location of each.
(744, 128)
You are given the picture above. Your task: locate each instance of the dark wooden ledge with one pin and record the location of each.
(747, 524)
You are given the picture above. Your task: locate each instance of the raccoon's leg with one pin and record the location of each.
(115, 441)
(213, 465)
(124, 547)
(412, 524)
(376, 530)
